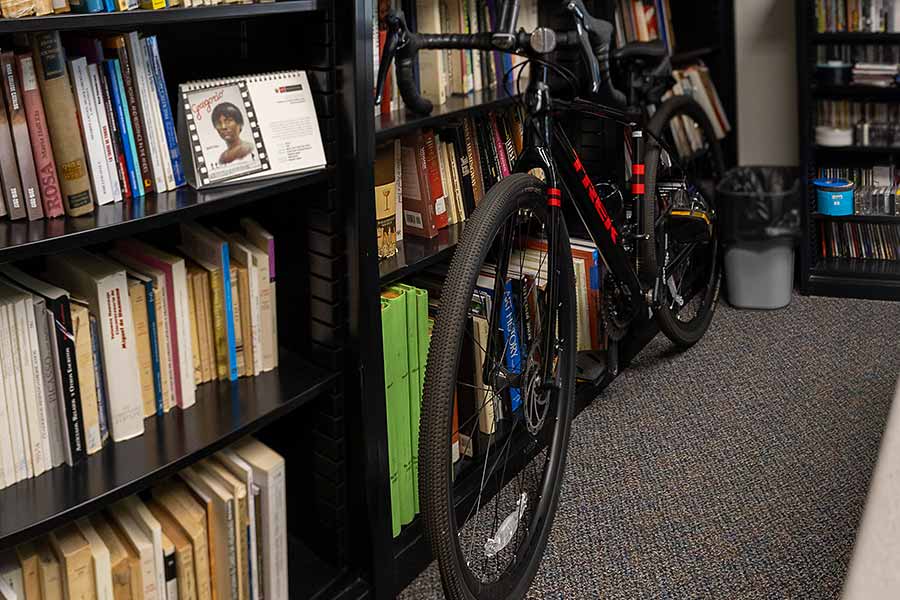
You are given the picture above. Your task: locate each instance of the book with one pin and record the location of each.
(75, 560)
(113, 72)
(90, 131)
(113, 136)
(137, 294)
(97, 82)
(419, 207)
(84, 356)
(227, 145)
(31, 194)
(13, 9)
(270, 476)
(183, 554)
(393, 325)
(49, 571)
(140, 543)
(211, 252)
(101, 559)
(170, 568)
(432, 65)
(8, 474)
(42, 153)
(13, 194)
(166, 372)
(100, 380)
(18, 431)
(114, 47)
(174, 499)
(236, 316)
(264, 242)
(148, 107)
(176, 298)
(152, 529)
(237, 490)
(11, 574)
(253, 274)
(386, 200)
(87, 6)
(59, 106)
(220, 508)
(195, 335)
(104, 285)
(199, 279)
(29, 561)
(243, 472)
(168, 119)
(57, 302)
(119, 558)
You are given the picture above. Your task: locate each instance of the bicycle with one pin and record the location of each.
(488, 528)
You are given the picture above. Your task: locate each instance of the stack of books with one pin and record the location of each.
(216, 531)
(99, 342)
(85, 121)
(435, 178)
(696, 81)
(644, 21)
(452, 72)
(875, 74)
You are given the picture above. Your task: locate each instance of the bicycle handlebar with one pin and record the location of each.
(593, 36)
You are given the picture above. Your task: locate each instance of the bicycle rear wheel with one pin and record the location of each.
(487, 515)
(682, 246)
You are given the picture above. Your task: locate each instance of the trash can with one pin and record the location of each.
(759, 212)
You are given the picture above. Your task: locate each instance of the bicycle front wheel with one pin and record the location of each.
(497, 407)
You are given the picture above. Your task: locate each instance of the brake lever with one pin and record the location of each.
(585, 32)
(396, 38)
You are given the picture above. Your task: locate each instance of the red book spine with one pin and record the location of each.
(41, 149)
(438, 200)
(500, 147)
(387, 94)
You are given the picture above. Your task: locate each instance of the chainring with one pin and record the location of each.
(616, 309)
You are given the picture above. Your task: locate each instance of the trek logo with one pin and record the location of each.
(595, 199)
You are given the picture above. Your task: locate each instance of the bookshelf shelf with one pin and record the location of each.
(133, 18)
(22, 239)
(861, 92)
(223, 414)
(859, 218)
(883, 270)
(846, 37)
(401, 121)
(416, 254)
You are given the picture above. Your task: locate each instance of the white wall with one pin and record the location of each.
(766, 82)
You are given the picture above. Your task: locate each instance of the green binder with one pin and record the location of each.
(417, 330)
(398, 400)
(391, 315)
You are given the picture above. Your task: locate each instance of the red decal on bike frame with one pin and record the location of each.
(551, 201)
(554, 197)
(637, 169)
(595, 199)
(637, 188)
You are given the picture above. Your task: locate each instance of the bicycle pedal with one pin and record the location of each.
(689, 225)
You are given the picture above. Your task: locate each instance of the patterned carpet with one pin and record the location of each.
(736, 470)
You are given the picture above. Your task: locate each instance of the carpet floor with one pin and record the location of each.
(738, 469)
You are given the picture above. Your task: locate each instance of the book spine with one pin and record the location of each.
(38, 381)
(71, 426)
(12, 185)
(509, 325)
(25, 375)
(8, 347)
(105, 134)
(166, 108)
(138, 131)
(170, 572)
(145, 109)
(229, 316)
(87, 6)
(474, 162)
(42, 153)
(59, 104)
(120, 359)
(156, 117)
(21, 141)
(154, 346)
(90, 130)
(117, 91)
(99, 382)
(438, 199)
(61, 6)
(119, 166)
(51, 391)
(84, 357)
(499, 147)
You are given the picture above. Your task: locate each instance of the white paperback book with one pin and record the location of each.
(40, 406)
(103, 283)
(248, 128)
(142, 544)
(11, 387)
(269, 475)
(152, 529)
(7, 468)
(145, 108)
(90, 131)
(51, 377)
(100, 553)
(105, 133)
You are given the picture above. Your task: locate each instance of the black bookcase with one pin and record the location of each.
(392, 563)
(301, 408)
(848, 277)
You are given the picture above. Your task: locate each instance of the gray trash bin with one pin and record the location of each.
(760, 221)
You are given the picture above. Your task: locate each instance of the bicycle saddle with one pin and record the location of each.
(648, 52)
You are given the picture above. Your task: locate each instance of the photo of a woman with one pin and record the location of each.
(229, 123)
